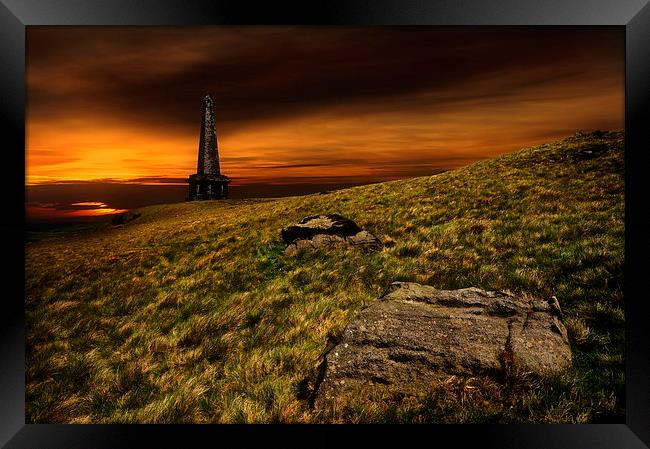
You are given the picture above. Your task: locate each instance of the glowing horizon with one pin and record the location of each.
(84, 209)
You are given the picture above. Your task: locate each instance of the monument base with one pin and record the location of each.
(208, 187)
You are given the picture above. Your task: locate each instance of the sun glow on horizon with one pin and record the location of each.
(70, 211)
(90, 203)
(369, 146)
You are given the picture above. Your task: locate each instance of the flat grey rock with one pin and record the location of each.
(416, 333)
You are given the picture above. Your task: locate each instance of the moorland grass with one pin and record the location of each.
(192, 314)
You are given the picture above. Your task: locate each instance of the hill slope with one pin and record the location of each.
(191, 314)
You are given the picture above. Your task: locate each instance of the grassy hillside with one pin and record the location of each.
(191, 314)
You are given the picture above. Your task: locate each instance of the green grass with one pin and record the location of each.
(191, 313)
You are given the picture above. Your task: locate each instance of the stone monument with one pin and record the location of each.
(208, 183)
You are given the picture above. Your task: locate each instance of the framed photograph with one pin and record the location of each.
(320, 216)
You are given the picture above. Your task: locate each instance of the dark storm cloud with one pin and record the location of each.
(156, 77)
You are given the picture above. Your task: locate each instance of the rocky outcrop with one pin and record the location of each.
(416, 333)
(322, 231)
(592, 151)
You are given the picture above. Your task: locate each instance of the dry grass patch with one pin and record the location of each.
(191, 313)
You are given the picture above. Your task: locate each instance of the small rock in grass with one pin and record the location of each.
(326, 231)
(124, 217)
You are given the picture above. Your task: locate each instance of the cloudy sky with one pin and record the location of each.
(308, 105)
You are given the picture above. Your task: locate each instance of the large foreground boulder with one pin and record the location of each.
(322, 231)
(415, 334)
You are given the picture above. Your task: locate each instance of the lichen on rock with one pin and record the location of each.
(416, 333)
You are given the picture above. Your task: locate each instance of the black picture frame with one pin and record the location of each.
(15, 15)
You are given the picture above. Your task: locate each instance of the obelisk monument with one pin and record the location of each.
(208, 183)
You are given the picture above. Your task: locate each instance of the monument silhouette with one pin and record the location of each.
(208, 183)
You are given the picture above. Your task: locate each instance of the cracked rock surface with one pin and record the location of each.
(416, 333)
(326, 231)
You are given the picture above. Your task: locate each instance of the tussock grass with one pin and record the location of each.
(191, 313)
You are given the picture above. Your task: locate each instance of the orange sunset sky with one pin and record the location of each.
(301, 105)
